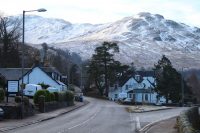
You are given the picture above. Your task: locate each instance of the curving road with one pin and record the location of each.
(99, 116)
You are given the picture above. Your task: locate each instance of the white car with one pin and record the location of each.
(52, 89)
(30, 89)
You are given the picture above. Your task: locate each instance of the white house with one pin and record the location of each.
(35, 75)
(139, 87)
(46, 75)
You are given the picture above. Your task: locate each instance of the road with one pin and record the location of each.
(99, 116)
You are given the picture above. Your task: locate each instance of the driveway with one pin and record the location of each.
(99, 116)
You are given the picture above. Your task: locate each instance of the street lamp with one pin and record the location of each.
(23, 29)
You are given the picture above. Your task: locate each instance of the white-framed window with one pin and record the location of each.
(146, 97)
(126, 87)
(130, 95)
(116, 95)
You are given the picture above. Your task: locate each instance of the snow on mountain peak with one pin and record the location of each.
(142, 38)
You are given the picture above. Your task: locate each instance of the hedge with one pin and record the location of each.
(189, 121)
(69, 96)
(52, 97)
(45, 93)
(2, 94)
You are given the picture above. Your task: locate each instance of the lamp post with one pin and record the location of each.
(23, 29)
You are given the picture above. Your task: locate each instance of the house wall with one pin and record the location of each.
(132, 83)
(38, 76)
(139, 97)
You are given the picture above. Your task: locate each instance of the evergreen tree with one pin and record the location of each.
(168, 80)
(102, 65)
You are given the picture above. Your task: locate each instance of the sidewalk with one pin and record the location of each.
(7, 125)
(146, 108)
(165, 126)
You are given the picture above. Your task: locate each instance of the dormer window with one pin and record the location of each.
(137, 77)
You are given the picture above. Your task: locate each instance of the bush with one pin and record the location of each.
(52, 97)
(69, 96)
(26, 101)
(61, 97)
(47, 96)
(18, 99)
(37, 94)
(43, 85)
(56, 96)
(2, 94)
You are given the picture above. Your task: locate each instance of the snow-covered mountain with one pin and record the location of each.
(142, 38)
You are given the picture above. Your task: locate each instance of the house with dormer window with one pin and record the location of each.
(35, 75)
(139, 87)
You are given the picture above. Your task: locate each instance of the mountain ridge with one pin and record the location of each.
(142, 38)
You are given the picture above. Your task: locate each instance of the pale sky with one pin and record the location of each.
(103, 11)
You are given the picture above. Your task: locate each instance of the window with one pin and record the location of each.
(116, 95)
(137, 77)
(130, 95)
(146, 97)
(126, 87)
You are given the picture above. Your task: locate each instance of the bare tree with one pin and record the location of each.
(10, 34)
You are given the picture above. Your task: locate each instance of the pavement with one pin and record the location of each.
(10, 124)
(165, 126)
(146, 108)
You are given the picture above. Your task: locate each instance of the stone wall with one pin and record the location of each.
(189, 121)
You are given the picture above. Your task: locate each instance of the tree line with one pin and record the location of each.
(104, 71)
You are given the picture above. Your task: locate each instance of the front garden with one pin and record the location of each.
(43, 101)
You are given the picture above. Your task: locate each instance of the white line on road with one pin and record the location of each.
(138, 126)
(82, 123)
(131, 122)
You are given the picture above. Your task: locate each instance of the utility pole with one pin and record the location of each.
(182, 88)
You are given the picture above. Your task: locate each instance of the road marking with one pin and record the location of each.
(138, 126)
(84, 122)
(131, 122)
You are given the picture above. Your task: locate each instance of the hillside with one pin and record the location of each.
(142, 38)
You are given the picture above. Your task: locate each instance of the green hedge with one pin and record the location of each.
(56, 96)
(69, 96)
(52, 97)
(2, 94)
(43, 92)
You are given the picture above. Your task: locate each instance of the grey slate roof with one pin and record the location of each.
(12, 73)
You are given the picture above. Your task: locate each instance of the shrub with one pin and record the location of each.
(52, 97)
(71, 87)
(69, 96)
(18, 99)
(2, 94)
(56, 96)
(47, 96)
(43, 85)
(26, 101)
(61, 97)
(37, 94)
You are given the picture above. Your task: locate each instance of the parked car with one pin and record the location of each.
(30, 89)
(52, 89)
(127, 101)
(1, 113)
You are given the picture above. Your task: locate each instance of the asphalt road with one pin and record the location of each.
(99, 116)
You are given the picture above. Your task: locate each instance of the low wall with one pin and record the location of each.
(14, 111)
(50, 106)
(189, 121)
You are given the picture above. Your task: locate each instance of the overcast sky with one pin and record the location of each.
(103, 11)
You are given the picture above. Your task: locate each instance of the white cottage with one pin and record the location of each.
(35, 75)
(139, 87)
(46, 75)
